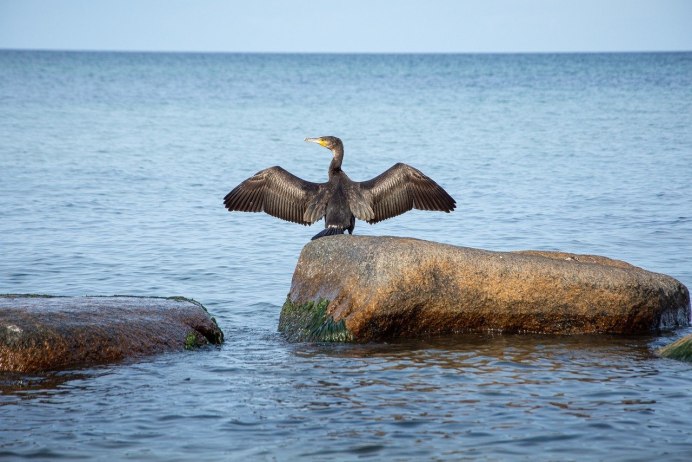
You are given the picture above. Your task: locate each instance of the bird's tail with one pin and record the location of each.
(328, 232)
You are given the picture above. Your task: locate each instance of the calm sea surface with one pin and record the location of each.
(112, 172)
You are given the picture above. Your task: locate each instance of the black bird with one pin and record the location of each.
(340, 200)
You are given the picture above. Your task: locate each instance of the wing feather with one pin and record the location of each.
(402, 188)
(276, 192)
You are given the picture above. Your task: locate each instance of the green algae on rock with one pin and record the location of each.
(680, 349)
(194, 340)
(310, 322)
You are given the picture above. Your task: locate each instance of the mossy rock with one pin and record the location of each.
(385, 288)
(40, 332)
(681, 349)
(311, 322)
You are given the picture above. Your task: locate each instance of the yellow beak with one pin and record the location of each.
(319, 141)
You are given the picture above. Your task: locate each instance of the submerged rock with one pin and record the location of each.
(681, 349)
(47, 333)
(360, 288)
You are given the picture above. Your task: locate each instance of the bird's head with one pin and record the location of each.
(332, 143)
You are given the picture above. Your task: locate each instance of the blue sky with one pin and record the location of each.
(348, 26)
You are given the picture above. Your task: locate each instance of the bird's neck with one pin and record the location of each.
(335, 164)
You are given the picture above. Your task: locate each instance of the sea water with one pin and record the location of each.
(113, 167)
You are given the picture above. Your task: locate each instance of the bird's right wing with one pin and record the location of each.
(276, 192)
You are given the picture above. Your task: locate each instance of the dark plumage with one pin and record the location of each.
(340, 200)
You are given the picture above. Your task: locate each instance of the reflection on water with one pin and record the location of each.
(496, 367)
(30, 386)
(452, 397)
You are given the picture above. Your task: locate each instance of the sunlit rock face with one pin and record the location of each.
(378, 288)
(40, 333)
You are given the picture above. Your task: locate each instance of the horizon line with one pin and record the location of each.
(525, 52)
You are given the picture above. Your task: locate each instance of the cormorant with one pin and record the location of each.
(340, 200)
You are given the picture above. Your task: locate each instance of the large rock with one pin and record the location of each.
(45, 333)
(358, 288)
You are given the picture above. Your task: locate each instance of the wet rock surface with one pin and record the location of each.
(40, 333)
(680, 349)
(377, 288)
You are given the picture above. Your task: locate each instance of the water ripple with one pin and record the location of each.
(114, 167)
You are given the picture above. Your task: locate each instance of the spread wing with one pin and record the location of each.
(402, 188)
(276, 192)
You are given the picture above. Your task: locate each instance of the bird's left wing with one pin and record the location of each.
(402, 188)
(276, 192)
